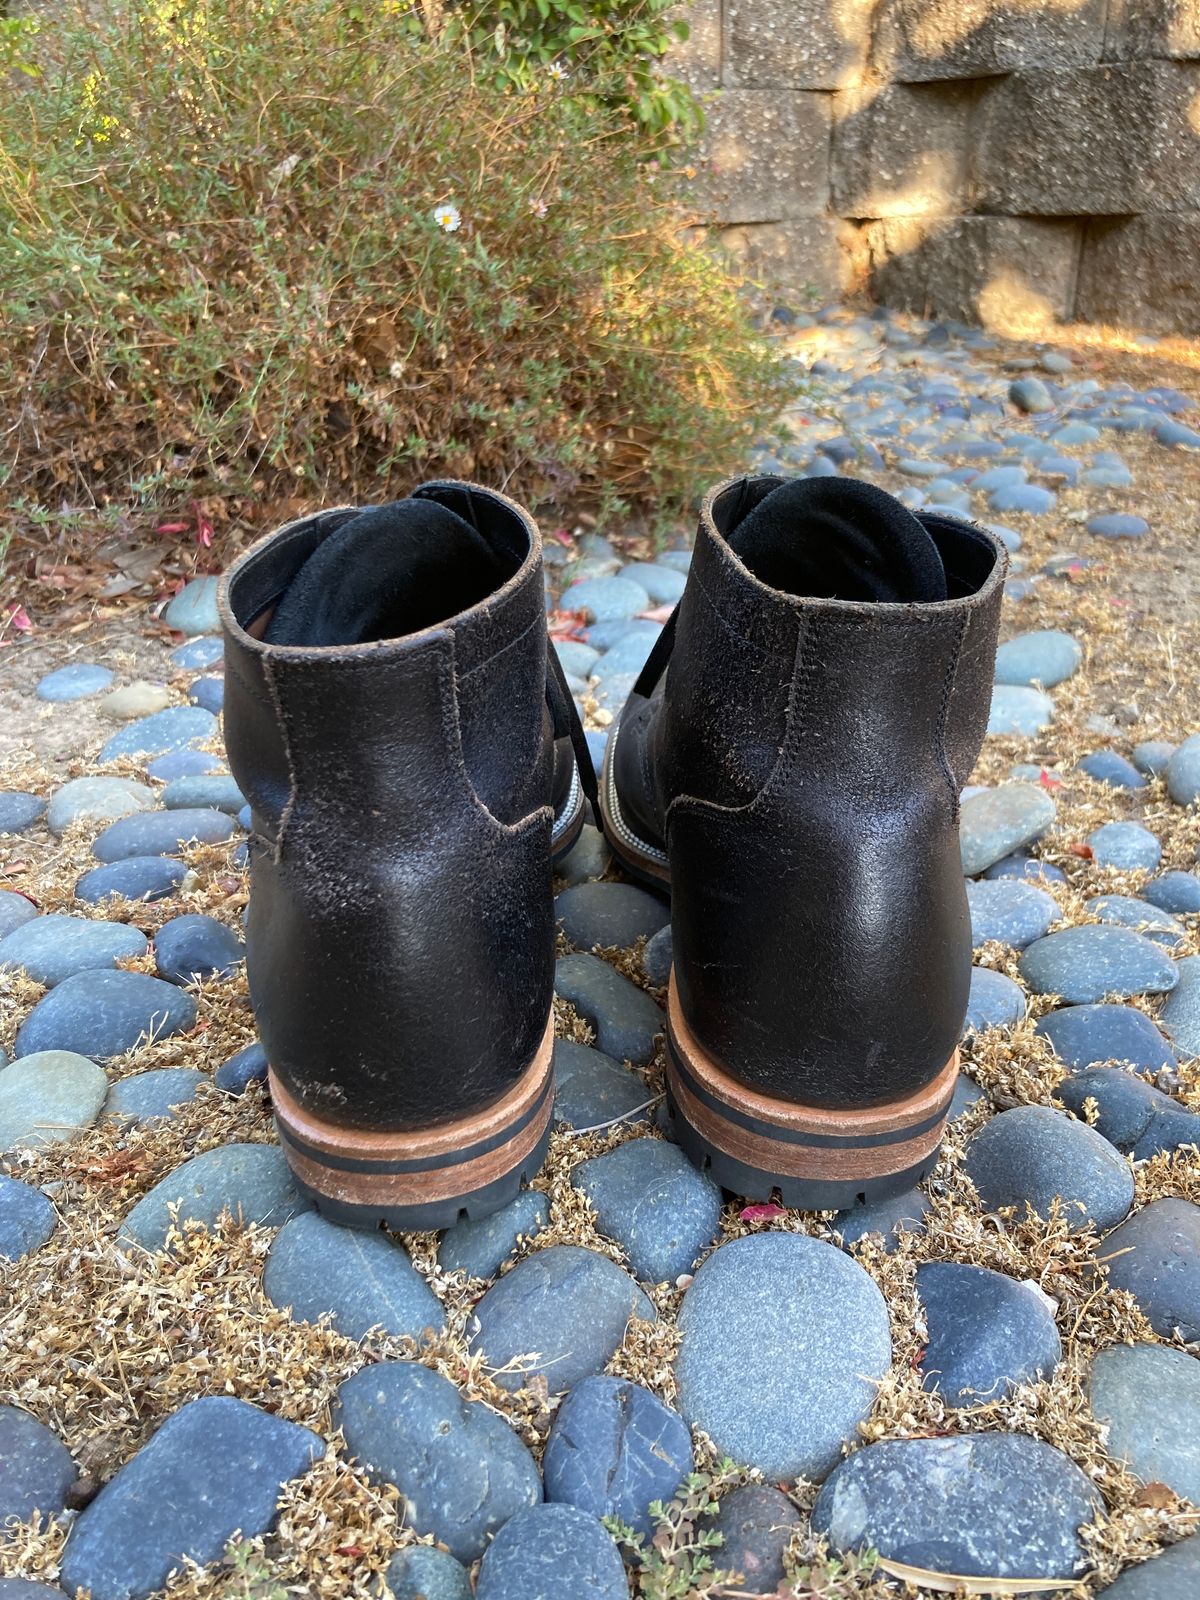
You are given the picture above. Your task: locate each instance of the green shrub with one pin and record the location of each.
(267, 247)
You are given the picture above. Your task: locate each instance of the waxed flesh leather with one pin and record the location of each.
(799, 760)
(400, 942)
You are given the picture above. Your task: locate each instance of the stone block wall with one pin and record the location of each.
(1015, 161)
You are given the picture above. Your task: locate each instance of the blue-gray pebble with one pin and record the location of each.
(1149, 1397)
(567, 1307)
(27, 1218)
(214, 1468)
(103, 1013)
(1095, 962)
(984, 1505)
(1155, 1255)
(195, 946)
(614, 1449)
(818, 1329)
(462, 1470)
(53, 947)
(250, 1181)
(995, 1001)
(625, 1018)
(591, 1090)
(138, 878)
(36, 1469)
(609, 914)
(552, 1552)
(172, 729)
(1085, 1036)
(359, 1280)
(78, 681)
(1034, 1155)
(1009, 910)
(161, 833)
(649, 1197)
(481, 1247)
(986, 1333)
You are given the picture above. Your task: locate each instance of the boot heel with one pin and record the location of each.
(817, 1158)
(423, 1178)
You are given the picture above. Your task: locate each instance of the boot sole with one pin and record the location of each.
(638, 856)
(816, 1158)
(428, 1178)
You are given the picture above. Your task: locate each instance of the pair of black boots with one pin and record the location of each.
(788, 766)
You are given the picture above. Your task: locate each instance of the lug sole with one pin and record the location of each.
(639, 858)
(424, 1178)
(816, 1158)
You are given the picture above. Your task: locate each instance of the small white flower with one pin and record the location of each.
(556, 72)
(538, 207)
(448, 218)
(396, 369)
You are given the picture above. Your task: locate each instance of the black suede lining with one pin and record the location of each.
(838, 539)
(389, 571)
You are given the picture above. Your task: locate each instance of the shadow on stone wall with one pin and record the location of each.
(1021, 162)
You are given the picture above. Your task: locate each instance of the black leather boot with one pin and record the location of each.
(789, 763)
(401, 728)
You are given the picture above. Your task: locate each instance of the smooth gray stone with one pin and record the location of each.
(986, 1333)
(1016, 709)
(1043, 659)
(27, 1589)
(359, 1280)
(203, 650)
(552, 1552)
(1152, 756)
(1177, 892)
(1174, 1575)
(1180, 1015)
(215, 791)
(51, 948)
(48, 1098)
(609, 914)
(1183, 772)
(756, 1524)
(983, 1505)
(566, 1307)
(36, 1469)
(652, 1201)
(422, 1572)
(663, 584)
(1127, 911)
(194, 946)
(194, 608)
(15, 911)
(153, 1096)
(1088, 1036)
(658, 956)
(461, 1468)
(967, 1093)
(995, 1001)
(1009, 910)
(102, 1014)
(248, 1066)
(19, 810)
(1149, 1397)
(606, 599)
(591, 1090)
(250, 1181)
(586, 859)
(1125, 845)
(1095, 962)
(1126, 1105)
(614, 1448)
(77, 681)
(27, 1218)
(625, 1018)
(998, 821)
(161, 833)
(480, 1248)
(1106, 766)
(184, 764)
(172, 729)
(138, 878)
(898, 1214)
(1155, 1255)
(97, 800)
(1034, 1155)
(1171, 1128)
(214, 1468)
(818, 1329)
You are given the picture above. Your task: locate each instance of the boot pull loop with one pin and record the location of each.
(565, 722)
(656, 661)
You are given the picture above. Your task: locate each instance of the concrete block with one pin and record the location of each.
(696, 60)
(810, 258)
(922, 41)
(765, 155)
(1013, 274)
(1141, 273)
(902, 151)
(797, 44)
(1105, 141)
(1141, 28)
